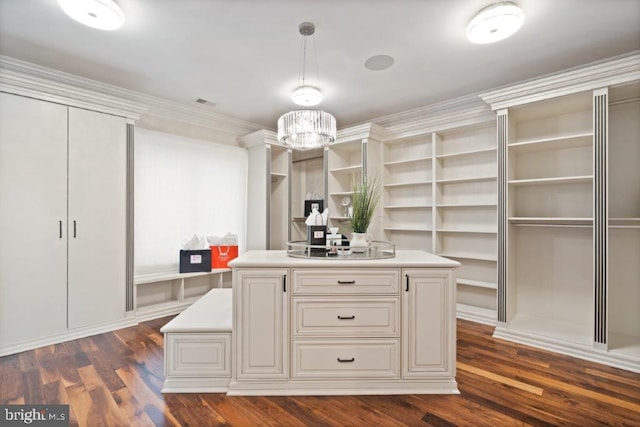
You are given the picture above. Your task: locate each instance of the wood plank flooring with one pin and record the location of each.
(114, 379)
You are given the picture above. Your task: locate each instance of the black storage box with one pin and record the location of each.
(317, 235)
(308, 205)
(195, 261)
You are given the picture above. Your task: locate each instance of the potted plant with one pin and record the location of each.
(363, 201)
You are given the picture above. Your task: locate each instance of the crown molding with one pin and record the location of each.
(360, 132)
(459, 112)
(24, 78)
(257, 138)
(610, 72)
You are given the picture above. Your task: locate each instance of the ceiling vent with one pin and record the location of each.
(204, 102)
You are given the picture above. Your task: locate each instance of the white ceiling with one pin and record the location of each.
(244, 55)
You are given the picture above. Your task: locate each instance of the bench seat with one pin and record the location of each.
(197, 346)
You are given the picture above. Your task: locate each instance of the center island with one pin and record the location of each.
(330, 326)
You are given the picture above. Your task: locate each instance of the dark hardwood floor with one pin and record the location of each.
(114, 379)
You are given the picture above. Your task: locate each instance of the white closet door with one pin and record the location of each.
(33, 212)
(97, 217)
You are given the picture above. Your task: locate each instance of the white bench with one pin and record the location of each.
(197, 346)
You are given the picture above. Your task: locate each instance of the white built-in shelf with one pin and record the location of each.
(141, 279)
(477, 283)
(469, 255)
(624, 222)
(552, 181)
(520, 220)
(347, 169)
(469, 179)
(405, 228)
(339, 218)
(406, 161)
(467, 153)
(556, 142)
(277, 177)
(406, 184)
(468, 230)
(407, 207)
(341, 193)
(298, 219)
(466, 205)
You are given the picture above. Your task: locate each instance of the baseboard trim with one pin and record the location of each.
(68, 336)
(574, 350)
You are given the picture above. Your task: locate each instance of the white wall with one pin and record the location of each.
(183, 187)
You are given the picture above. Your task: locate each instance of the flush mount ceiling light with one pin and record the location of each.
(306, 95)
(100, 14)
(306, 129)
(495, 22)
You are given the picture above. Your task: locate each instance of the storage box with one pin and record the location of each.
(222, 254)
(308, 205)
(195, 260)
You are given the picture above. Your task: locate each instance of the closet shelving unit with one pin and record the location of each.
(550, 205)
(440, 196)
(407, 192)
(356, 154)
(307, 176)
(569, 212)
(279, 194)
(465, 214)
(623, 228)
(345, 167)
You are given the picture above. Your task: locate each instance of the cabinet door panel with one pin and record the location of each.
(33, 202)
(428, 323)
(261, 331)
(97, 217)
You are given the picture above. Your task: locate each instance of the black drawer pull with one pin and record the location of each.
(346, 282)
(346, 317)
(353, 359)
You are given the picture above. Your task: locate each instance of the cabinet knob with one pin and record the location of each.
(353, 359)
(346, 282)
(346, 317)
(407, 276)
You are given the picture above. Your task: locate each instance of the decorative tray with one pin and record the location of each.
(377, 249)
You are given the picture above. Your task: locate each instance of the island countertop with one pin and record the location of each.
(403, 258)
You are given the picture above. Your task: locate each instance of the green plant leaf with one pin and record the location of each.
(364, 201)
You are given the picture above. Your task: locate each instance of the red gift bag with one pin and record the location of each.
(222, 254)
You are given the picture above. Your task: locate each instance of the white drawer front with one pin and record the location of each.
(198, 354)
(344, 359)
(357, 317)
(345, 281)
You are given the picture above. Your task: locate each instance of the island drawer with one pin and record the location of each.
(343, 281)
(362, 358)
(344, 316)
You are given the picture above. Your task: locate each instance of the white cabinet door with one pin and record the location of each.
(260, 324)
(97, 217)
(33, 211)
(428, 323)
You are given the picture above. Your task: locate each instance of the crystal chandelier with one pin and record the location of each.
(306, 129)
